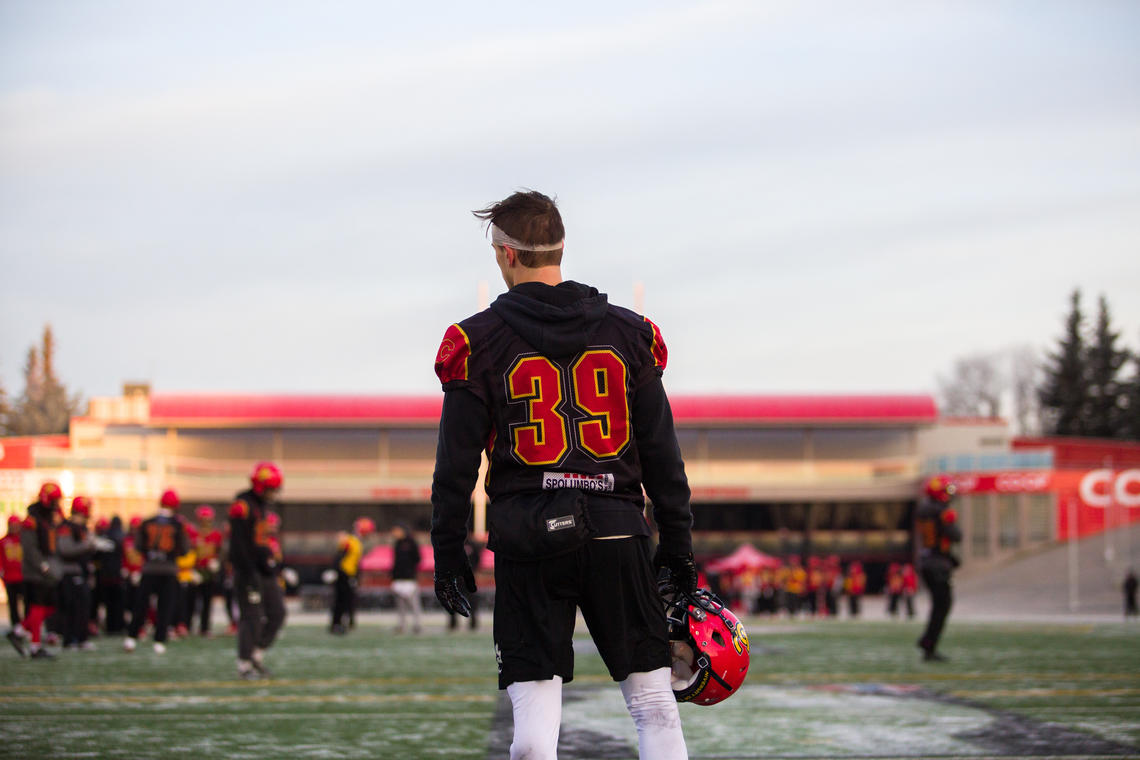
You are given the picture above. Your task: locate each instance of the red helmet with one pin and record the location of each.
(81, 505)
(363, 526)
(170, 499)
(14, 522)
(266, 476)
(102, 525)
(940, 489)
(272, 520)
(709, 647)
(50, 492)
(205, 513)
(135, 522)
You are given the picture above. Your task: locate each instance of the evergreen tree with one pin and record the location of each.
(1064, 393)
(1106, 405)
(5, 410)
(45, 406)
(1131, 426)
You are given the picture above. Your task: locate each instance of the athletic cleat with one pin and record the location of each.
(159, 647)
(42, 654)
(933, 657)
(20, 643)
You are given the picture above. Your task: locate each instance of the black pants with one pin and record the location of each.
(75, 608)
(17, 601)
(941, 599)
(165, 588)
(110, 597)
(344, 593)
(207, 591)
(259, 622)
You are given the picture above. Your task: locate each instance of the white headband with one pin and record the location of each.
(498, 237)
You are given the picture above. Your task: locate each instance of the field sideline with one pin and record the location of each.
(816, 689)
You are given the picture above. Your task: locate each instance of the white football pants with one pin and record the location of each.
(537, 709)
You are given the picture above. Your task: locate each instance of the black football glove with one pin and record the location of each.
(449, 592)
(676, 570)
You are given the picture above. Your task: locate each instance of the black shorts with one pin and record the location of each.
(611, 581)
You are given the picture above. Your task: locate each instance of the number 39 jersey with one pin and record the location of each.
(558, 368)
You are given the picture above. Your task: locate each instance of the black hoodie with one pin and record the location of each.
(563, 390)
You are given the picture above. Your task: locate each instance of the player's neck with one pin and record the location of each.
(551, 275)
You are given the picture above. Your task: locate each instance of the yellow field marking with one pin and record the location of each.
(879, 678)
(238, 684)
(753, 678)
(259, 699)
(1029, 693)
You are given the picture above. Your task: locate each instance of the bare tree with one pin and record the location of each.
(1025, 375)
(974, 387)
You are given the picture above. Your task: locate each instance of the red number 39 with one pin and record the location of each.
(597, 381)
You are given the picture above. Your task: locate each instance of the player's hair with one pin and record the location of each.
(531, 216)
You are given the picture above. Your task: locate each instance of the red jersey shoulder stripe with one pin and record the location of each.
(451, 359)
(657, 347)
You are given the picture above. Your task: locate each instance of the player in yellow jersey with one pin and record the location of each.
(350, 550)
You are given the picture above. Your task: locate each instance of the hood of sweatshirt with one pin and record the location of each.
(557, 320)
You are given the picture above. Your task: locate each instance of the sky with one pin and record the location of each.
(816, 197)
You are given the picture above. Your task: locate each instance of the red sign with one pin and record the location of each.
(1035, 481)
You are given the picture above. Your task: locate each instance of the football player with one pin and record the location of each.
(76, 548)
(349, 550)
(161, 540)
(12, 570)
(405, 587)
(563, 391)
(208, 549)
(260, 600)
(41, 571)
(936, 527)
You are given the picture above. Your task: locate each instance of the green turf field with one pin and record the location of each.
(816, 689)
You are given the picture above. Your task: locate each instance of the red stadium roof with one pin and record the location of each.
(251, 409)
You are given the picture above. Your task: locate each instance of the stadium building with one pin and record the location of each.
(789, 474)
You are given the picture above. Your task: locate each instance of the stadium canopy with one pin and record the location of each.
(746, 557)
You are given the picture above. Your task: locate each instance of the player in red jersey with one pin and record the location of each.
(41, 570)
(563, 391)
(208, 549)
(12, 570)
(855, 585)
(259, 597)
(909, 588)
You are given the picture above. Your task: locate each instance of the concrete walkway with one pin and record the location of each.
(1043, 585)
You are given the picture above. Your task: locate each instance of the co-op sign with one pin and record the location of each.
(1103, 488)
(1096, 488)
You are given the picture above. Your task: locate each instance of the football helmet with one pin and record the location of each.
(170, 499)
(81, 506)
(266, 476)
(708, 646)
(940, 489)
(364, 526)
(50, 493)
(205, 513)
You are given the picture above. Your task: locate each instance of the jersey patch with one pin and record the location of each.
(602, 482)
(657, 347)
(451, 359)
